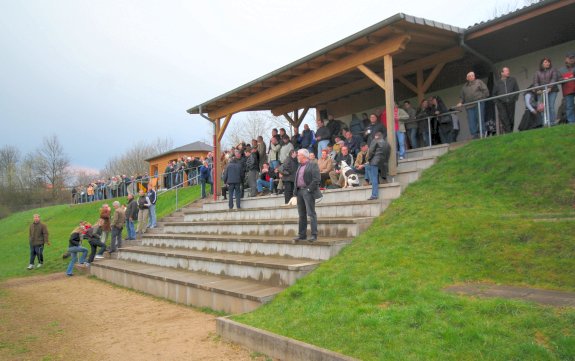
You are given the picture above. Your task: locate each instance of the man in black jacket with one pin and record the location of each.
(233, 177)
(506, 105)
(252, 169)
(131, 216)
(307, 186)
(378, 157)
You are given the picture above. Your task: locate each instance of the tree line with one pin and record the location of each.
(45, 177)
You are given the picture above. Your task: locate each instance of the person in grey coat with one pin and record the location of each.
(307, 188)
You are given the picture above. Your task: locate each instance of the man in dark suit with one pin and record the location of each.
(307, 188)
(233, 178)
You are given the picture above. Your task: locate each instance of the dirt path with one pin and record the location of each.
(59, 318)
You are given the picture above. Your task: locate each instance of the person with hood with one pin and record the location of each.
(92, 234)
(131, 216)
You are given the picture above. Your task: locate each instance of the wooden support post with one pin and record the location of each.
(372, 75)
(296, 119)
(289, 119)
(216, 171)
(218, 135)
(389, 112)
(420, 91)
(303, 114)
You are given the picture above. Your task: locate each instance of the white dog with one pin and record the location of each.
(349, 176)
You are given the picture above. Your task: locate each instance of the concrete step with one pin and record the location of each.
(324, 210)
(200, 290)
(331, 227)
(322, 249)
(406, 177)
(416, 163)
(275, 271)
(433, 151)
(173, 218)
(386, 191)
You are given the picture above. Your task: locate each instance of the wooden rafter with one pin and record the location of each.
(407, 83)
(445, 56)
(372, 75)
(223, 128)
(328, 71)
(431, 78)
(289, 119)
(324, 96)
(415, 66)
(303, 114)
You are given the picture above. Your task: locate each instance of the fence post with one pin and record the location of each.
(479, 120)
(429, 132)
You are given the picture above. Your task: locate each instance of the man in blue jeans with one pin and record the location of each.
(474, 90)
(38, 236)
(131, 216)
(378, 157)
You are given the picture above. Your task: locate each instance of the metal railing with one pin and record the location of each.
(544, 91)
(106, 190)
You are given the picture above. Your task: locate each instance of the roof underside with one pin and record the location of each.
(426, 38)
(538, 26)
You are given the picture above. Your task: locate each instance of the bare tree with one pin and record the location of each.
(132, 162)
(9, 158)
(52, 163)
(254, 125)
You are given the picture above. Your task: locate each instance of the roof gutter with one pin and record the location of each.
(201, 114)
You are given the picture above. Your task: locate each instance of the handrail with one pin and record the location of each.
(544, 89)
(103, 189)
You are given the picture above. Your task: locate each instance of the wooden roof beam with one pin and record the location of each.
(391, 46)
(445, 56)
(372, 75)
(409, 68)
(325, 96)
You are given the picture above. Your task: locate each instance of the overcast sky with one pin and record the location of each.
(105, 74)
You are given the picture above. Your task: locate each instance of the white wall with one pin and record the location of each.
(522, 68)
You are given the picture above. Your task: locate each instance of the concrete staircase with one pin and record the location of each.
(234, 261)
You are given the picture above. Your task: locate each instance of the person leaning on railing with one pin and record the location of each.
(474, 90)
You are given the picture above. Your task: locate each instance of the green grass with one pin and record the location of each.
(471, 218)
(61, 220)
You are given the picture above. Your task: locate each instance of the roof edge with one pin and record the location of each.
(509, 15)
(386, 22)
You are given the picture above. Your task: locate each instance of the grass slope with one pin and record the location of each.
(61, 220)
(471, 218)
